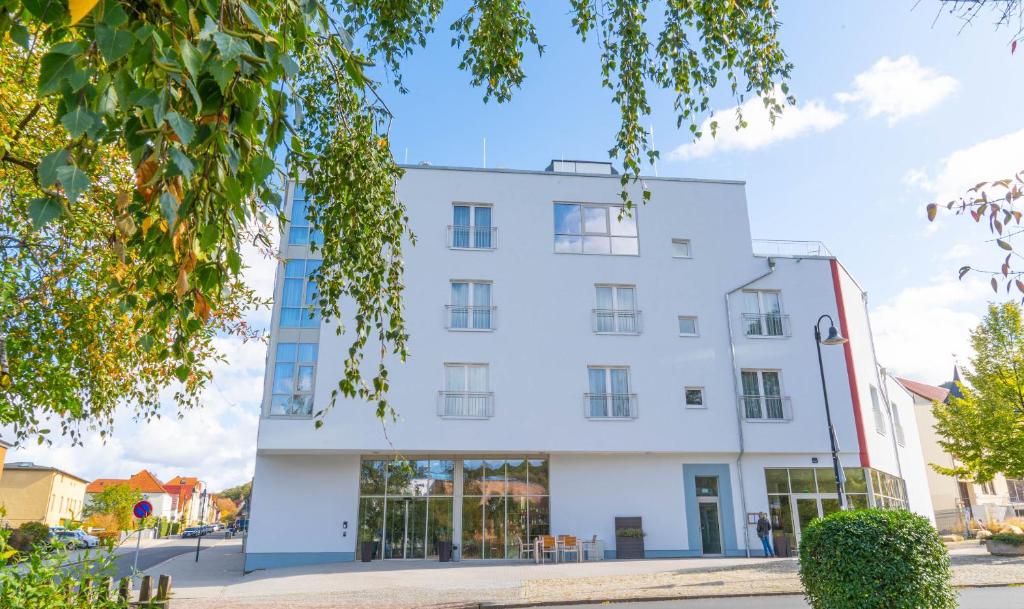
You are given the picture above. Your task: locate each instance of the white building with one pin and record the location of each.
(568, 368)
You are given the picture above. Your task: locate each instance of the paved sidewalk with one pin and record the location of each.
(216, 580)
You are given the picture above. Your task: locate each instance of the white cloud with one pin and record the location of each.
(919, 330)
(985, 161)
(810, 117)
(898, 88)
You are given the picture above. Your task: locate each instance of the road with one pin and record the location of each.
(970, 598)
(149, 557)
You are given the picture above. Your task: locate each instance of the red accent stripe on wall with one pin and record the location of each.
(865, 461)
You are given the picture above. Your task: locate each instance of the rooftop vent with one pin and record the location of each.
(588, 167)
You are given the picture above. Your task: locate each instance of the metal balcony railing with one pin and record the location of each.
(459, 317)
(789, 249)
(766, 325)
(465, 404)
(609, 405)
(616, 321)
(472, 237)
(766, 407)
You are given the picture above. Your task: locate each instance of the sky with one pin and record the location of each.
(897, 106)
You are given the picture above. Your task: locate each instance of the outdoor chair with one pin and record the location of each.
(592, 549)
(526, 550)
(546, 546)
(570, 545)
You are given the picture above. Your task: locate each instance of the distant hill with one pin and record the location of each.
(237, 493)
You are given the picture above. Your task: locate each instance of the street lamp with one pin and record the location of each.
(833, 338)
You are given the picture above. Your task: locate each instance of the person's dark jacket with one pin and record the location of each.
(764, 528)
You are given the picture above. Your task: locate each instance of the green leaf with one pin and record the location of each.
(53, 69)
(75, 47)
(182, 162)
(1003, 244)
(290, 67)
(192, 58)
(234, 261)
(183, 128)
(19, 34)
(113, 43)
(113, 14)
(49, 165)
(74, 181)
(182, 373)
(251, 15)
(43, 210)
(49, 11)
(221, 73)
(230, 47)
(78, 121)
(169, 208)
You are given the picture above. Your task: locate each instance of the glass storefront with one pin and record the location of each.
(406, 507)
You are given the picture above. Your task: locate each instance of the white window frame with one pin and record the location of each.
(787, 415)
(689, 248)
(488, 403)
(492, 228)
(617, 312)
(876, 411)
(470, 283)
(297, 364)
(607, 207)
(609, 404)
(762, 314)
(703, 398)
(897, 425)
(696, 325)
(304, 307)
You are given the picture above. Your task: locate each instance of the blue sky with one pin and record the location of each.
(895, 109)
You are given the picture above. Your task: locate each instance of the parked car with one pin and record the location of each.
(193, 532)
(74, 540)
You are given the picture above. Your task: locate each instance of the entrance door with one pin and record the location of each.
(710, 527)
(808, 507)
(405, 530)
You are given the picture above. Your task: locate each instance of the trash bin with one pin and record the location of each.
(444, 551)
(366, 551)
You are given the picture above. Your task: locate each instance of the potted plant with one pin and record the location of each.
(629, 538)
(444, 546)
(1005, 544)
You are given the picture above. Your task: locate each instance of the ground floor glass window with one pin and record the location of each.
(504, 505)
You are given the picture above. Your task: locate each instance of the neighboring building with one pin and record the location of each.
(36, 493)
(3, 454)
(147, 484)
(568, 368)
(956, 501)
(191, 500)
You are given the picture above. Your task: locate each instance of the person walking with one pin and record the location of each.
(764, 531)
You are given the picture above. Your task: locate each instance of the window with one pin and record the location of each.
(299, 297)
(897, 425)
(616, 310)
(762, 396)
(988, 488)
(681, 248)
(470, 307)
(762, 314)
(609, 396)
(1016, 489)
(466, 393)
(595, 229)
(299, 230)
(687, 325)
(294, 374)
(471, 227)
(876, 410)
(694, 397)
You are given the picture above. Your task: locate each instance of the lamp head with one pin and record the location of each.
(834, 337)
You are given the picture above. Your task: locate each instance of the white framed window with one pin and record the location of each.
(762, 398)
(466, 392)
(470, 307)
(609, 395)
(876, 411)
(585, 228)
(688, 325)
(897, 425)
(294, 379)
(693, 397)
(298, 296)
(472, 227)
(681, 248)
(616, 311)
(762, 314)
(300, 231)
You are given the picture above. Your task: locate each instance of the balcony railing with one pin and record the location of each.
(472, 237)
(767, 325)
(766, 407)
(789, 249)
(616, 321)
(613, 406)
(465, 404)
(459, 317)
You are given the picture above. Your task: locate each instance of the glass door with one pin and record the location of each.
(406, 535)
(806, 510)
(710, 528)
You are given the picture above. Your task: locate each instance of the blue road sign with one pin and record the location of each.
(142, 509)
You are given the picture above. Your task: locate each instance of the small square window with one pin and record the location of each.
(687, 325)
(681, 248)
(694, 397)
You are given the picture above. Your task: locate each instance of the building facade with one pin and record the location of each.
(569, 367)
(147, 484)
(36, 493)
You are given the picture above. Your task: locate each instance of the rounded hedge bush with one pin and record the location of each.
(875, 559)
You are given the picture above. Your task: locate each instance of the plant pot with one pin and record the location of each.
(444, 551)
(629, 547)
(366, 551)
(998, 548)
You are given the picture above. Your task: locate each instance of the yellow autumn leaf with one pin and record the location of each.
(80, 8)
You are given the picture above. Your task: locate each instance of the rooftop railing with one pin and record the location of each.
(789, 249)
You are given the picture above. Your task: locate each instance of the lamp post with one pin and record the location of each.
(833, 338)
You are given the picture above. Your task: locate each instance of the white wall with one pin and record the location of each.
(913, 468)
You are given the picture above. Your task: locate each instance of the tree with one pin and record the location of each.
(984, 429)
(202, 96)
(116, 500)
(236, 493)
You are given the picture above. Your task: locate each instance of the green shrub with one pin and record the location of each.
(1012, 539)
(29, 535)
(875, 559)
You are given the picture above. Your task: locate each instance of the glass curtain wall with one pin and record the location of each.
(504, 505)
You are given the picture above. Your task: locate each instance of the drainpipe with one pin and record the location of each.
(736, 393)
(880, 376)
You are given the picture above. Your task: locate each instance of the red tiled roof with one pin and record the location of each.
(143, 481)
(928, 392)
